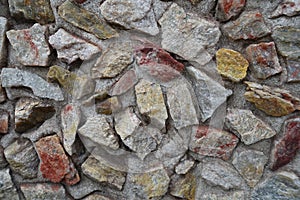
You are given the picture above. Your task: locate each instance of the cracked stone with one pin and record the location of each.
(184, 166)
(109, 106)
(293, 71)
(288, 8)
(228, 9)
(7, 188)
(4, 120)
(184, 186)
(43, 191)
(3, 49)
(30, 45)
(159, 7)
(124, 84)
(3, 162)
(247, 126)
(2, 94)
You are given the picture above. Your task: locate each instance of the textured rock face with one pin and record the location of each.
(287, 8)
(30, 45)
(228, 9)
(293, 71)
(184, 186)
(3, 162)
(4, 121)
(7, 188)
(2, 94)
(43, 191)
(3, 50)
(96, 197)
(109, 106)
(184, 166)
(125, 83)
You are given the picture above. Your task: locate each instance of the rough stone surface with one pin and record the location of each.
(228, 9)
(2, 94)
(184, 166)
(96, 197)
(3, 162)
(231, 64)
(234, 195)
(30, 45)
(287, 8)
(125, 83)
(11, 77)
(293, 71)
(3, 49)
(4, 121)
(109, 106)
(7, 188)
(247, 126)
(45, 191)
(184, 186)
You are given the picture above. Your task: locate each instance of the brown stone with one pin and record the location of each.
(4, 120)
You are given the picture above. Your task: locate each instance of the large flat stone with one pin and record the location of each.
(45, 191)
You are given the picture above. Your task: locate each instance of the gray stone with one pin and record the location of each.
(30, 45)
(287, 8)
(3, 49)
(184, 186)
(3, 162)
(7, 188)
(225, 10)
(293, 71)
(188, 35)
(234, 195)
(70, 48)
(45, 191)
(12, 77)
(159, 7)
(2, 94)
(184, 166)
(96, 197)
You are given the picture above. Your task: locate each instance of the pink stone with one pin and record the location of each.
(127, 81)
(229, 8)
(4, 117)
(293, 71)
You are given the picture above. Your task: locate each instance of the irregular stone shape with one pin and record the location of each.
(55, 165)
(102, 173)
(287, 41)
(12, 77)
(2, 94)
(3, 49)
(273, 101)
(80, 1)
(113, 61)
(98, 130)
(4, 120)
(263, 60)
(3, 162)
(131, 14)
(30, 45)
(227, 9)
(188, 35)
(247, 126)
(250, 164)
(184, 186)
(96, 197)
(231, 64)
(250, 25)
(212, 142)
(181, 105)
(184, 167)
(150, 101)
(194, 2)
(232, 195)
(38, 10)
(210, 94)
(70, 119)
(85, 20)
(30, 113)
(109, 106)
(22, 158)
(43, 191)
(7, 188)
(287, 8)
(124, 84)
(286, 147)
(293, 71)
(283, 185)
(70, 48)
(159, 7)
(220, 173)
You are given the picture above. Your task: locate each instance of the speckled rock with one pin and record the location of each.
(85, 20)
(45, 191)
(2, 94)
(3, 162)
(231, 64)
(184, 166)
(233, 195)
(30, 45)
(227, 9)
(7, 188)
(293, 71)
(184, 186)
(96, 196)
(3, 49)
(4, 121)
(109, 106)
(125, 83)
(287, 8)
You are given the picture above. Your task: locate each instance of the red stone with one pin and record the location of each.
(229, 8)
(127, 81)
(4, 118)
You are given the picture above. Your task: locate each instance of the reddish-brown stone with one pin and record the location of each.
(229, 8)
(127, 81)
(293, 71)
(4, 118)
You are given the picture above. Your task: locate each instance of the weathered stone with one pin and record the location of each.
(184, 166)
(283, 185)
(12, 77)
(293, 71)
(287, 41)
(263, 60)
(228, 9)
(231, 64)
(104, 174)
(7, 188)
(4, 120)
(80, 1)
(286, 147)
(124, 84)
(194, 2)
(96, 197)
(85, 20)
(70, 48)
(287, 8)
(273, 101)
(98, 130)
(3, 162)
(38, 10)
(131, 14)
(22, 158)
(210, 94)
(212, 142)
(184, 186)
(187, 35)
(55, 165)
(30, 45)
(113, 61)
(3, 49)
(250, 164)
(233, 195)
(109, 106)
(150, 101)
(43, 191)
(250, 25)
(247, 126)
(2, 94)
(159, 7)
(30, 113)
(220, 173)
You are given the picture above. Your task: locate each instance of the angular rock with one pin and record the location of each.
(43, 191)
(231, 64)
(113, 61)
(233, 195)
(212, 142)
(263, 60)
(55, 165)
(30, 45)
(12, 77)
(109, 106)
(85, 20)
(283, 185)
(98, 130)
(184, 186)
(188, 35)
(96, 197)
(4, 120)
(287, 8)
(273, 101)
(7, 188)
(131, 14)
(150, 101)
(102, 173)
(2, 94)
(3, 49)
(287, 40)
(159, 7)
(70, 48)
(250, 164)
(228, 9)
(210, 94)
(184, 166)
(286, 147)
(22, 158)
(124, 84)
(247, 126)
(3, 162)
(250, 25)
(30, 113)
(219, 173)
(293, 71)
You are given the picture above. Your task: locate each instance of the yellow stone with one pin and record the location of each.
(231, 64)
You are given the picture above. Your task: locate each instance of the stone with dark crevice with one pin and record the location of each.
(225, 9)
(3, 49)
(3, 162)
(7, 187)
